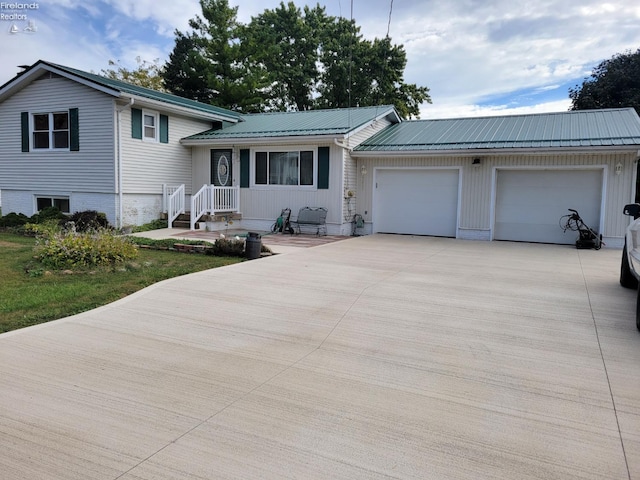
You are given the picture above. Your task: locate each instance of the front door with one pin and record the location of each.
(221, 174)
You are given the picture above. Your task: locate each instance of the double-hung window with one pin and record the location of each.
(150, 126)
(51, 130)
(295, 168)
(56, 130)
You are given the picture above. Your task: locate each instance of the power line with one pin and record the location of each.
(389, 22)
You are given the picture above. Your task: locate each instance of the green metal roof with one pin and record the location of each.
(130, 89)
(583, 128)
(339, 121)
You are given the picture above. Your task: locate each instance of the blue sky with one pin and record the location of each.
(478, 57)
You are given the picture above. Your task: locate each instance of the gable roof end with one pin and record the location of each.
(117, 88)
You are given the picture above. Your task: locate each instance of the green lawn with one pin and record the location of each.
(29, 294)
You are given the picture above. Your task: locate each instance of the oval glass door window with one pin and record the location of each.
(223, 170)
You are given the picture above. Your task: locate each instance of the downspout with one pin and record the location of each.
(119, 160)
(342, 145)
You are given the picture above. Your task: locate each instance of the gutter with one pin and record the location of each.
(491, 151)
(251, 141)
(181, 110)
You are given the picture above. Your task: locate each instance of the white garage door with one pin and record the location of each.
(530, 203)
(416, 201)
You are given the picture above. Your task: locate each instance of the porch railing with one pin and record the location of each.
(211, 199)
(200, 204)
(174, 202)
(225, 199)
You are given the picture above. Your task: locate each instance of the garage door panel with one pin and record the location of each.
(417, 201)
(529, 203)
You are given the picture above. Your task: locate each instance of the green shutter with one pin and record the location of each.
(24, 124)
(323, 168)
(164, 129)
(136, 123)
(244, 168)
(74, 130)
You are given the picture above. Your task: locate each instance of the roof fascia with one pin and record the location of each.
(494, 151)
(24, 79)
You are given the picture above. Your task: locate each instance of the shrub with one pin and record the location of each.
(89, 220)
(227, 247)
(13, 220)
(49, 213)
(67, 249)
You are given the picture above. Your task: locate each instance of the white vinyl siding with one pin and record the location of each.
(148, 165)
(352, 175)
(89, 170)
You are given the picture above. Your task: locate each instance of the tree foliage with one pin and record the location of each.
(613, 83)
(283, 48)
(148, 74)
(287, 59)
(206, 65)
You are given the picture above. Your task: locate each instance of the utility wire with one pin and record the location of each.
(389, 22)
(384, 63)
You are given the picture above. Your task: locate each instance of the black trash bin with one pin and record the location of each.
(253, 245)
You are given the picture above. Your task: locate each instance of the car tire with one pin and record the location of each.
(627, 279)
(638, 311)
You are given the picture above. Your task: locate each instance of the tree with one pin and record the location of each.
(205, 65)
(613, 83)
(148, 74)
(186, 72)
(282, 46)
(318, 61)
(287, 59)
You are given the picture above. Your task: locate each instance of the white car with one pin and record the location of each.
(630, 265)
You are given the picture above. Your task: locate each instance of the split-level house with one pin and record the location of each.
(80, 141)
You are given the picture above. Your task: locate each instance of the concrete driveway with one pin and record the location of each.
(374, 357)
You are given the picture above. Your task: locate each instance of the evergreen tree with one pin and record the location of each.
(205, 64)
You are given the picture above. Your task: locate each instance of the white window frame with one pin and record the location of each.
(156, 126)
(286, 149)
(33, 131)
(52, 198)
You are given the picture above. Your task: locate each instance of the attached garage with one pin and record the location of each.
(502, 178)
(417, 201)
(529, 203)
